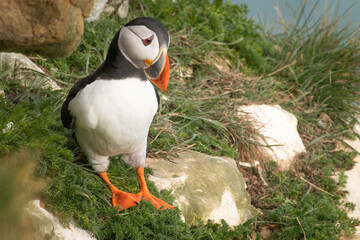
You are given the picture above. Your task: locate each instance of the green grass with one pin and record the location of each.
(199, 112)
(322, 64)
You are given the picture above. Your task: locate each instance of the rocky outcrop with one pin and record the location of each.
(109, 6)
(278, 129)
(51, 28)
(47, 226)
(97, 9)
(123, 9)
(353, 183)
(353, 196)
(205, 187)
(24, 71)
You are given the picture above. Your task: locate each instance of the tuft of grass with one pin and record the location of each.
(318, 60)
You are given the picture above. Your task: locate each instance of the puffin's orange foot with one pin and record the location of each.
(158, 203)
(124, 200)
(121, 199)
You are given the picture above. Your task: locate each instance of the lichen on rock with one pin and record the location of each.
(205, 187)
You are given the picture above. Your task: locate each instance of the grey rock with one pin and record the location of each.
(205, 187)
(23, 70)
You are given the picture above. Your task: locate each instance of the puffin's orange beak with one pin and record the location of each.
(159, 72)
(163, 81)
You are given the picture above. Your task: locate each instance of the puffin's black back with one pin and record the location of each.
(115, 66)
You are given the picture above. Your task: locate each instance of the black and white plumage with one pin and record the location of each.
(111, 109)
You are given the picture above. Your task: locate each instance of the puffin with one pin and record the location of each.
(111, 110)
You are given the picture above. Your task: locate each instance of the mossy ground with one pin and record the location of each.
(313, 76)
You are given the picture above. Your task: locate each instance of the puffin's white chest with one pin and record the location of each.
(114, 116)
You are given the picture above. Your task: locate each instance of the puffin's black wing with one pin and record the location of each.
(66, 117)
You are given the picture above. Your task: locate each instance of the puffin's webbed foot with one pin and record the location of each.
(145, 193)
(158, 203)
(124, 200)
(121, 199)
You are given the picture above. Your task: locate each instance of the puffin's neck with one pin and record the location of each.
(116, 66)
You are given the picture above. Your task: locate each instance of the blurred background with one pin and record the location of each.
(267, 12)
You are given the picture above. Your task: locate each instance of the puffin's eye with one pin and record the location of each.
(147, 41)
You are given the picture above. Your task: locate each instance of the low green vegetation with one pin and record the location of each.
(216, 56)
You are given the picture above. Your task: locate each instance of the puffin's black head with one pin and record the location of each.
(144, 43)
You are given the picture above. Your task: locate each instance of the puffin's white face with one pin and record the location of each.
(139, 45)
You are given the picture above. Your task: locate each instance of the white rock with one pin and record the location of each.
(123, 9)
(353, 196)
(109, 9)
(8, 127)
(97, 9)
(352, 186)
(357, 127)
(24, 70)
(355, 237)
(279, 129)
(205, 187)
(226, 208)
(353, 180)
(18, 60)
(49, 227)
